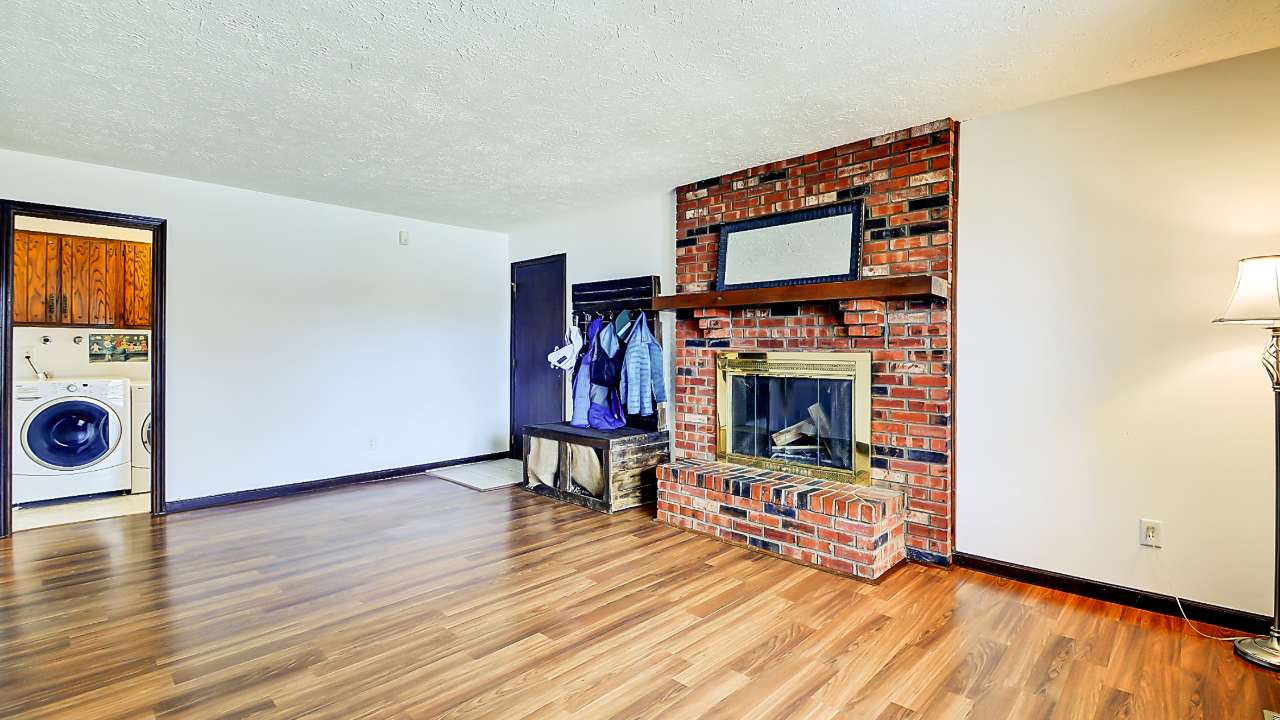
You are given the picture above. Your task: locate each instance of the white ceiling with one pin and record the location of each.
(497, 114)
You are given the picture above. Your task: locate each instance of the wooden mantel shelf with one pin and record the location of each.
(911, 287)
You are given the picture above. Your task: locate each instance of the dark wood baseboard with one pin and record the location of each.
(276, 491)
(1141, 599)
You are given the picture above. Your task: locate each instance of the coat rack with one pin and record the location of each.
(606, 299)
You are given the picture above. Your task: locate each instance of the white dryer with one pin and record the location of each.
(141, 454)
(69, 438)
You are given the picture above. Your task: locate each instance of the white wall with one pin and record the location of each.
(298, 329)
(65, 359)
(625, 239)
(1098, 237)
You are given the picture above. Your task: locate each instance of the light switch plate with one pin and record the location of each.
(404, 237)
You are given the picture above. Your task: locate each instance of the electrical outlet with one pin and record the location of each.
(1149, 533)
(29, 353)
(404, 237)
(371, 442)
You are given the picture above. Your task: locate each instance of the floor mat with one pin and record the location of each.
(484, 476)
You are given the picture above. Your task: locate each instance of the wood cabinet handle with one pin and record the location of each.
(53, 306)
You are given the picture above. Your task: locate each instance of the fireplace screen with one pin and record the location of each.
(803, 413)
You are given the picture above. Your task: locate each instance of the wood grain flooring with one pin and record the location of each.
(417, 599)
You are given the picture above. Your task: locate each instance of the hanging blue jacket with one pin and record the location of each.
(605, 412)
(643, 382)
(582, 378)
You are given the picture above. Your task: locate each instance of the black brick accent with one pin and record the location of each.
(941, 420)
(772, 176)
(879, 463)
(802, 500)
(927, 456)
(924, 556)
(709, 182)
(881, 541)
(780, 511)
(695, 343)
(881, 390)
(718, 343)
(784, 310)
(926, 203)
(686, 242)
(764, 545)
(685, 314)
(886, 234)
(731, 510)
(876, 224)
(929, 228)
(888, 451)
(853, 192)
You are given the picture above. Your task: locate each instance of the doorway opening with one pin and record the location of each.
(538, 324)
(82, 363)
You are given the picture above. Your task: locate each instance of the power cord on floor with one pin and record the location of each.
(1178, 600)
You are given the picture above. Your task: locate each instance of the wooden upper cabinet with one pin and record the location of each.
(20, 282)
(35, 278)
(137, 284)
(68, 280)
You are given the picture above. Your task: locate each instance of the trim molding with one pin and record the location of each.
(9, 210)
(276, 491)
(1238, 620)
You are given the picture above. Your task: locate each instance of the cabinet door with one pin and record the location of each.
(21, 248)
(41, 278)
(102, 260)
(137, 284)
(75, 280)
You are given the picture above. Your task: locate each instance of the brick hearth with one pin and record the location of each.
(906, 181)
(816, 522)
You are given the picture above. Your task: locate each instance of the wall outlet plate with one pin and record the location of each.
(1149, 533)
(28, 352)
(404, 237)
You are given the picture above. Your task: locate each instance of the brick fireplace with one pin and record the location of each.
(906, 181)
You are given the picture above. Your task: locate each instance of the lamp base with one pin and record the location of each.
(1264, 650)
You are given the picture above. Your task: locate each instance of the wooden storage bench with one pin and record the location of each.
(568, 463)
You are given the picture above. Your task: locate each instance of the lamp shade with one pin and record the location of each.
(1256, 298)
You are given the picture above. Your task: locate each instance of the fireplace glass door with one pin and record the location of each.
(804, 413)
(793, 419)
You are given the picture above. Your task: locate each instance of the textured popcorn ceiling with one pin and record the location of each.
(495, 114)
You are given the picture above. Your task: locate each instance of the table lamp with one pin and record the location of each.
(1256, 301)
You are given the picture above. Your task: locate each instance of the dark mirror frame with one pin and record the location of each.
(853, 208)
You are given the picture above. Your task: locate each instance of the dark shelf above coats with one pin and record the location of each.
(911, 287)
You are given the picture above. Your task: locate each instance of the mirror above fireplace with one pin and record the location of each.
(801, 413)
(810, 246)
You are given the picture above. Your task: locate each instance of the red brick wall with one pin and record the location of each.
(906, 181)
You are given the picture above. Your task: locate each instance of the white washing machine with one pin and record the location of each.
(141, 453)
(70, 438)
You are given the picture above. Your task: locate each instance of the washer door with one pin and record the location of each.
(71, 433)
(146, 433)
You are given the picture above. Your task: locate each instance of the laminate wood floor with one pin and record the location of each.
(420, 599)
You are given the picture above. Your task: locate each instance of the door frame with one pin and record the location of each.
(518, 452)
(9, 210)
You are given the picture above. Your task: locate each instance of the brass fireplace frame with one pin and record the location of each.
(855, 366)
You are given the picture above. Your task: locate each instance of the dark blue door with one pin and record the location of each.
(69, 434)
